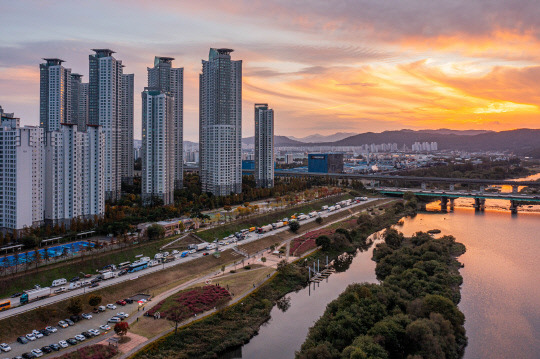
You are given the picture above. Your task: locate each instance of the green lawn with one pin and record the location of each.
(267, 218)
(72, 268)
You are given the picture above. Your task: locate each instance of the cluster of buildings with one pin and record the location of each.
(424, 146)
(83, 148)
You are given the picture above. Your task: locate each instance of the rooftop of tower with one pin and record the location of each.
(53, 61)
(103, 52)
(162, 59)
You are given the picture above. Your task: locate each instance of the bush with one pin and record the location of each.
(294, 226)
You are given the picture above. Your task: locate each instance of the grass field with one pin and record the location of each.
(86, 264)
(267, 218)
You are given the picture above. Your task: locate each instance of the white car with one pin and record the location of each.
(80, 337)
(111, 306)
(86, 315)
(51, 329)
(37, 334)
(114, 320)
(37, 353)
(105, 327)
(122, 315)
(4, 347)
(63, 344)
(31, 337)
(63, 324)
(94, 332)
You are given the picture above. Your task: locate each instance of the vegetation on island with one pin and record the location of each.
(412, 314)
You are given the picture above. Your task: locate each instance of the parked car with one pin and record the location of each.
(37, 334)
(87, 335)
(105, 327)
(51, 329)
(63, 344)
(122, 315)
(29, 355)
(37, 353)
(22, 340)
(122, 272)
(114, 320)
(87, 275)
(55, 347)
(93, 285)
(101, 308)
(74, 279)
(72, 341)
(80, 337)
(16, 295)
(121, 302)
(94, 332)
(70, 322)
(86, 315)
(31, 337)
(75, 318)
(128, 301)
(111, 306)
(45, 332)
(46, 349)
(205, 253)
(4, 347)
(63, 324)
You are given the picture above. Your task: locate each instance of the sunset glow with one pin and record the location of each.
(351, 66)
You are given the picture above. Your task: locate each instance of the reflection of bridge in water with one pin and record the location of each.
(448, 197)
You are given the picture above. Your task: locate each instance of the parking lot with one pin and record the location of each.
(70, 332)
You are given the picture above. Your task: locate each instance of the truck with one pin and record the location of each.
(302, 217)
(168, 259)
(198, 246)
(313, 214)
(184, 254)
(108, 275)
(74, 285)
(277, 225)
(35, 294)
(324, 208)
(265, 229)
(211, 246)
(57, 282)
(153, 263)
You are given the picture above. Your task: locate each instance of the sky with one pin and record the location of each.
(324, 66)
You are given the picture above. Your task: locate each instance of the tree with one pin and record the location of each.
(94, 300)
(324, 241)
(263, 259)
(319, 220)
(294, 226)
(155, 231)
(30, 241)
(75, 306)
(121, 328)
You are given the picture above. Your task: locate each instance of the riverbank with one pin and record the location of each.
(237, 324)
(412, 313)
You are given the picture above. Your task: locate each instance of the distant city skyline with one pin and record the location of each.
(361, 66)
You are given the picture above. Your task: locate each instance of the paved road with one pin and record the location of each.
(132, 276)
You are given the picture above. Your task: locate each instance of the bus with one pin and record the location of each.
(5, 305)
(135, 267)
(123, 265)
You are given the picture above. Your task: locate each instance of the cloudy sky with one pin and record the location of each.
(324, 66)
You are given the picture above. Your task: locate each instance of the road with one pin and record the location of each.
(133, 276)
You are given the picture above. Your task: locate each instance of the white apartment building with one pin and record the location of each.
(220, 123)
(74, 176)
(169, 79)
(158, 150)
(55, 94)
(104, 109)
(125, 151)
(264, 146)
(21, 174)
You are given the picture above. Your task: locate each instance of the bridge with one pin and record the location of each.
(516, 199)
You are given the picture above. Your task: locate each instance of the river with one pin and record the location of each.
(500, 292)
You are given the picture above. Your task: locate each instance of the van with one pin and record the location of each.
(74, 285)
(60, 290)
(57, 282)
(102, 308)
(324, 208)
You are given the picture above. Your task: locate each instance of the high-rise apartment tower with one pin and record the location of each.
(264, 146)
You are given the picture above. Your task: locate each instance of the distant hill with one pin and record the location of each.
(519, 141)
(278, 141)
(323, 138)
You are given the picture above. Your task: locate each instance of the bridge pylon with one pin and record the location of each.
(479, 204)
(444, 204)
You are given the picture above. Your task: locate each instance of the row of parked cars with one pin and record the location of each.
(68, 322)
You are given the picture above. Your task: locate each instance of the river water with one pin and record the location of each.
(500, 293)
